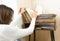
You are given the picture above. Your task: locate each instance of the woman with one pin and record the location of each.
(9, 29)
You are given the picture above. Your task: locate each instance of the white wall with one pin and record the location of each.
(24, 3)
(49, 6)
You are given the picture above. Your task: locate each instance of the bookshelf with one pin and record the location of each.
(44, 24)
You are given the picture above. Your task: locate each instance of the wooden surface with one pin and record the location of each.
(41, 22)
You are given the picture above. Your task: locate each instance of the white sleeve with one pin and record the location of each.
(24, 32)
(16, 20)
(27, 31)
(13, 32)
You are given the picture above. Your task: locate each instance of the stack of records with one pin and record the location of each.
(26, 17)
(51, 27)
(46, 16)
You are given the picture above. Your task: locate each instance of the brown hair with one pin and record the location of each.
(6, 14)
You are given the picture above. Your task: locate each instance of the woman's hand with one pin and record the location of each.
(34, 14)
(22, 10)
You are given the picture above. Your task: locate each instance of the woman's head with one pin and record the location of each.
(6, 14)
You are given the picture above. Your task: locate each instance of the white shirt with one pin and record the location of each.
(12, 32)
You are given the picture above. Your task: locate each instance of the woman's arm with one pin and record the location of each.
(30, 29)
(13, 32)
(27, 31)
(17, 20)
